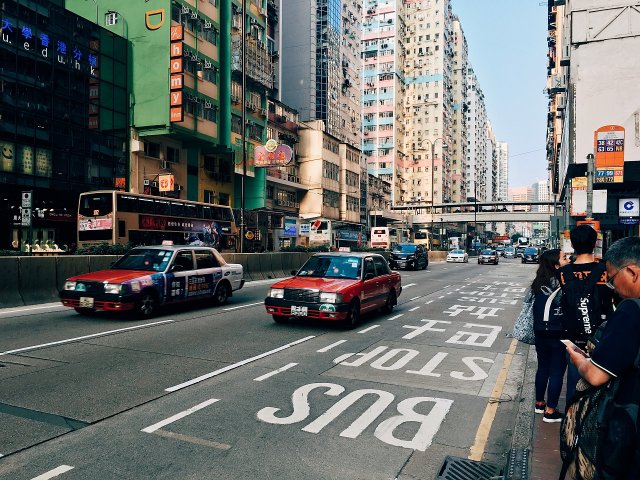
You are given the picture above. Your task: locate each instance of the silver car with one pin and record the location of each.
(458, 256)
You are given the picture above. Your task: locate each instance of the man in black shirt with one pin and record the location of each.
(583, 241)
(620, 342)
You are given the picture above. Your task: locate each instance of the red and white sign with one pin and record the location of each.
(166, 183)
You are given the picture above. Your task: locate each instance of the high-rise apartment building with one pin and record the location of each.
(476, 136)
(503, 171)
(383, 51)
(321, 64)
(489, 175)
(459, 145)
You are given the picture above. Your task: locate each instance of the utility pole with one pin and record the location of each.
(590, 168)
(243, 40)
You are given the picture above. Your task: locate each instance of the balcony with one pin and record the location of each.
(286, 203)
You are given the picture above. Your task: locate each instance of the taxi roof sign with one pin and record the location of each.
(167, 243)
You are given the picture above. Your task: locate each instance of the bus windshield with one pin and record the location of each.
(96, 205)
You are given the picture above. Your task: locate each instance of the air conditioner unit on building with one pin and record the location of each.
(137, 146)
(154, 184)
(165, 165)
(262, 10)
(179, 188)
(146, 183)
(110, 18)
(562, 103)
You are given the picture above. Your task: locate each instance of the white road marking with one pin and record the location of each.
(414, 308)
(275, 372)
(329, 347)
(77, 339)
(53, 473)
(397, 316)
(415, 298)
(236, 365)
(11, 311)
(446, 286)
(441, 296)
(178, 416)
(449, 293)
(243, 306)
(427, 303)
(369, 328)
(409, 285)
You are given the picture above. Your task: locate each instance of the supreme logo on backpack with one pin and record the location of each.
(581, 303)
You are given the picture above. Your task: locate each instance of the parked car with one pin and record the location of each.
(335, 287)
(147, 277)
(509, 252)
(488, 256)
(530, 255)
(409, 255)
(457, 256)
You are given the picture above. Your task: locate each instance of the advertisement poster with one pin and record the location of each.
(320, 232)
(25, 160)
(43, 162)
(578, 196)
(7, 161)
(238, 158)
(609, 158)
(290, 228)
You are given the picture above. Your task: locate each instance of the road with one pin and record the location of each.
(224, 392)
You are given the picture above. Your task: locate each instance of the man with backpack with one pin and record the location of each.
(615, 357)
(586, 301)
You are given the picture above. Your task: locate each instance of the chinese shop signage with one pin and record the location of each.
(176, 78)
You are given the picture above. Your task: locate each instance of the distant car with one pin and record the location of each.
(520, 251)
(488, 256)
(500, 250)
(509, 252)
(409, 255)
(336, 287)
(458, 256)
(147, 277)
(530, 255)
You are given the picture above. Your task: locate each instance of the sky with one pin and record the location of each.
(507, 42)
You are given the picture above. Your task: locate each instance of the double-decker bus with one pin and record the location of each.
(115, 217)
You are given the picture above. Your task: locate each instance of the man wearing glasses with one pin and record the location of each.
(616, 352)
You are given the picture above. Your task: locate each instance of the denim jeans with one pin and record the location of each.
(551, 366)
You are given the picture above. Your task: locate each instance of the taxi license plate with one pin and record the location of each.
(86, 302)
(299, 311)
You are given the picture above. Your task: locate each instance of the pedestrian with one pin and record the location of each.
(548, 329)
(586, 300)
(616, 351)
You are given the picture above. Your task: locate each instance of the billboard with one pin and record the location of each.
(609, 159)
(272, 155)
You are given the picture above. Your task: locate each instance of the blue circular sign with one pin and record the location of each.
(628, 206)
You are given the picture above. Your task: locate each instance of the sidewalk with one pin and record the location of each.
(545, 462)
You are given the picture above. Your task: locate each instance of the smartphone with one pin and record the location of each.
(574, 347)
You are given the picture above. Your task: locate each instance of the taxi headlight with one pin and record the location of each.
(69, 285)
(330, 297)
(113, 288)
(276, 292)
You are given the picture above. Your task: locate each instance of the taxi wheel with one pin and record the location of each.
(391, 302)
(279, 319)
(353, 317)
(147, 305)
(221, 294)
(426, 264)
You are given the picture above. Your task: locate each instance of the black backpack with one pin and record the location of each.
(547, 310)
(581, 304)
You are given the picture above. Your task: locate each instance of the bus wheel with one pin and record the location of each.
(148, 304)
(221, 294)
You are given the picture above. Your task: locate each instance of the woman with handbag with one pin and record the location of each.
(547, 326)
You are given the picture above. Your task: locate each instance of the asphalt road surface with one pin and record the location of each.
(208, 392)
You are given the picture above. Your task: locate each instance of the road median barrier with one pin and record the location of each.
(9, 289)
(37, 279)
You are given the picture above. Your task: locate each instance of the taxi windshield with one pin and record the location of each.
(147, 259)
(331, 267)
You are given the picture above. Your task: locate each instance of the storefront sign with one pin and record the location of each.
(176, 77)
(305, 228)
(629, 207)
(320, 232)
(609, 159)
(578, 196)
(290, 228)
(166, 183)
(264, 157)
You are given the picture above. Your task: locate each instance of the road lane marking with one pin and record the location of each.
(53, 473)
(194, 440)
(397, 316)
(329, 347)
(236, 365)
(482, 435)
(77, 339)
(441, 296)
(414, 308)
(427, 303)
(369, 328)
(243, 306)
(415, 298)
(275, 372)
(409, 285)
(178, 416)
(11, 311)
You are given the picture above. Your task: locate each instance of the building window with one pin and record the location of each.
(209, 196)
(330, 198)
(330, 170)
(152, 149)
(224, 198)
(173, 155)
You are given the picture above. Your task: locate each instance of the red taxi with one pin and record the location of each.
(148, 277)
(336, 287)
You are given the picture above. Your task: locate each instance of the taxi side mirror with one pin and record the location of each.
(369, 276)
